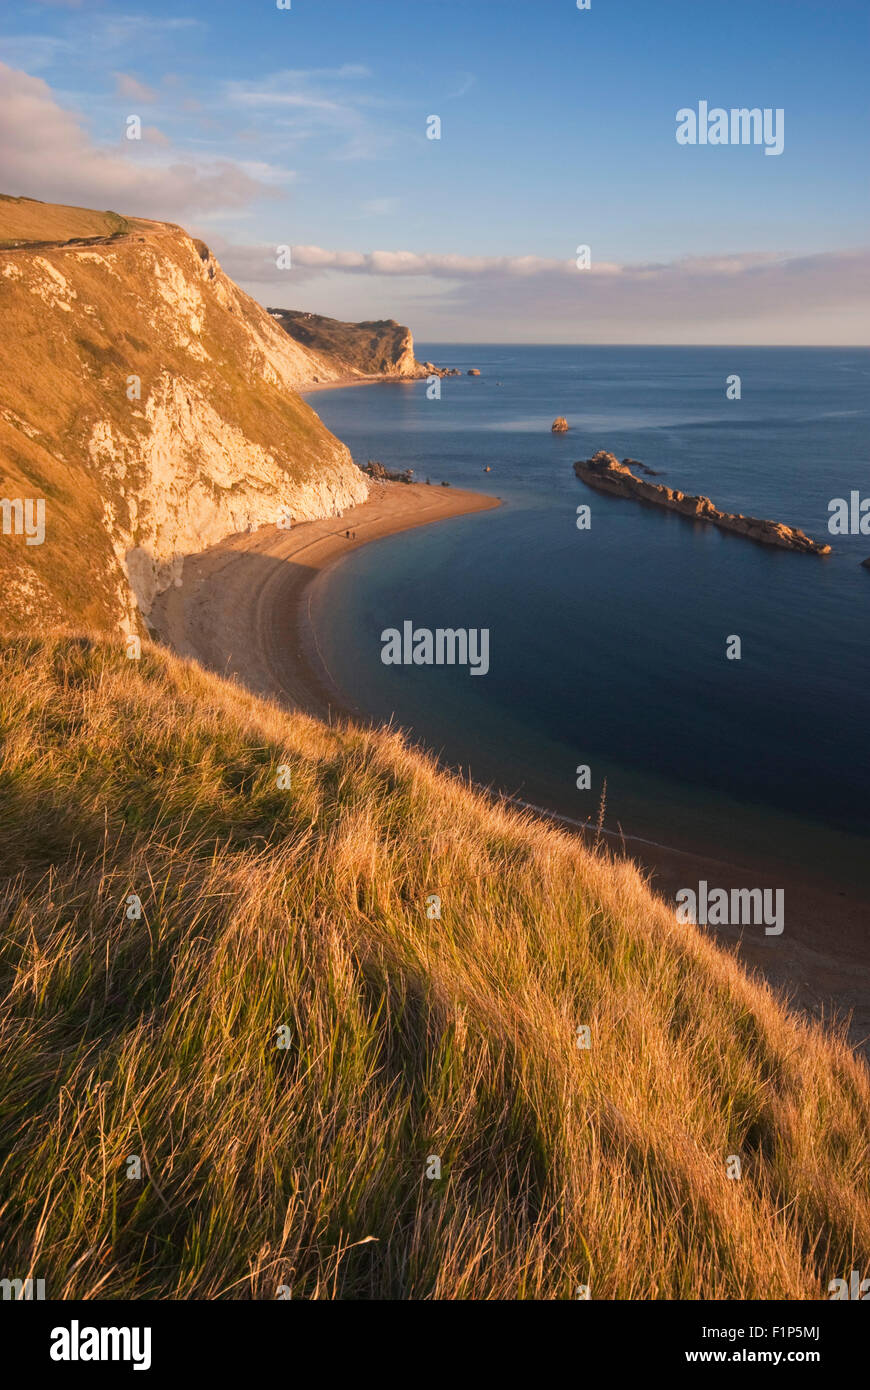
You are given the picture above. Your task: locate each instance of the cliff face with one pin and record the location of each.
(372, 349)
(604, 472)
(151, 403)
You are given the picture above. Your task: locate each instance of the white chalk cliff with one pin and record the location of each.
(153, 404)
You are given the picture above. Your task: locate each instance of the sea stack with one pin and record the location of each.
(560, 425)
(473, 371)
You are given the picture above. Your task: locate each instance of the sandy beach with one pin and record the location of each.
(342, 382)
(242, 608)
(243, 611)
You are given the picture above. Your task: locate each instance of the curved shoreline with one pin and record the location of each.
(243, 611)
(242, 607)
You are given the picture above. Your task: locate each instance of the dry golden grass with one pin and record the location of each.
(26, 219)
(408, 1036)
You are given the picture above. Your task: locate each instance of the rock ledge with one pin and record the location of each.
(604, 472)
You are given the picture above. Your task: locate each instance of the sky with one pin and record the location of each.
(307, 128)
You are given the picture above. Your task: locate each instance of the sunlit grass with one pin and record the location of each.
(409, 1036)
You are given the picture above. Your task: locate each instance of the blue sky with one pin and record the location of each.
(307, 127)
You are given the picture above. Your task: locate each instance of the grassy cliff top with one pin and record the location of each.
(24, 220)
(408, 1036)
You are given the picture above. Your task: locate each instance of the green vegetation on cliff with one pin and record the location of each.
(373, 348)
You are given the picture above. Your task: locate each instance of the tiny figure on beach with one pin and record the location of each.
(347, 533)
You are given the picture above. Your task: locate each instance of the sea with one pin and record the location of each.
(609, 645)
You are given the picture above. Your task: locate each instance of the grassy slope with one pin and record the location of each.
(26, 219)
(408, 1036)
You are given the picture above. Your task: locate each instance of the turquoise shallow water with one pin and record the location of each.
(608, 646)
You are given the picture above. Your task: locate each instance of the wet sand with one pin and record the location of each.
(243, 610)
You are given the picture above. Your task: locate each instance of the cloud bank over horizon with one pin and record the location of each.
(756, 297)
(48, 151)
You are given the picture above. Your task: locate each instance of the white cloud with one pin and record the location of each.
(466, 82)
(130, 88)
(745, 297)
(36, 52)
(413, 263)
(271, 88)
(46, 153)
(301, 105)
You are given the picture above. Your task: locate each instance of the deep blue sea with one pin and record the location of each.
(608, 646)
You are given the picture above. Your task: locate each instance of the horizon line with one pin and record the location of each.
(698, 347)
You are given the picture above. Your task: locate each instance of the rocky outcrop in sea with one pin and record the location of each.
(605, 473)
